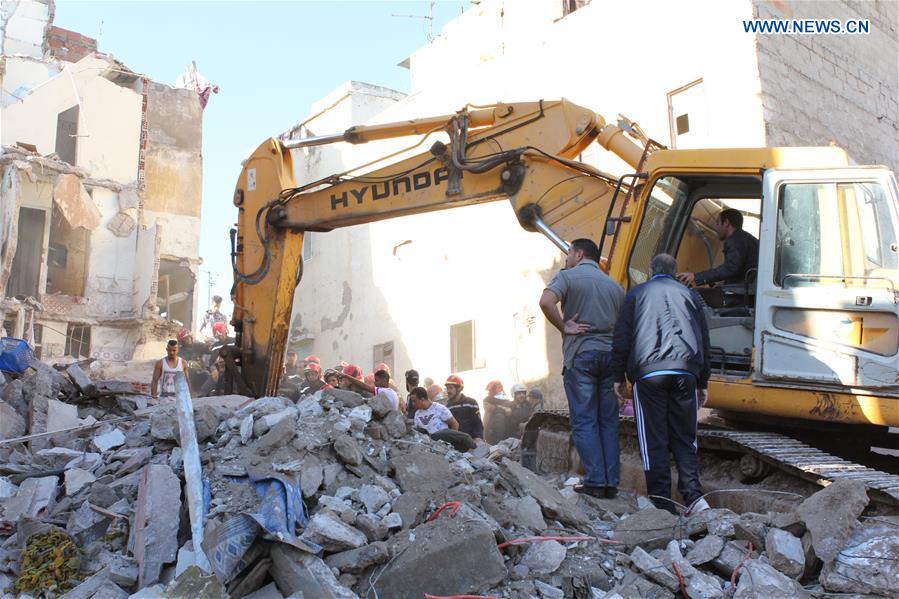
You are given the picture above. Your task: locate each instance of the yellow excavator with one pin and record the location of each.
(810, 338)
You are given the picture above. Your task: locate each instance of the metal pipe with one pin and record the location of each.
(315, 140)
(550, 234)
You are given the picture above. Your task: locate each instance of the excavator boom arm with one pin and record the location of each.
(521, 152)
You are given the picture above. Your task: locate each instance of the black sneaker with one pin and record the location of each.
(591, 490)
(610, 492)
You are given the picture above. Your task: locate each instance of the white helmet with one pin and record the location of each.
(519, 388)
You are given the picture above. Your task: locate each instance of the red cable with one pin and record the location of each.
(532, 539)
(680, 579)
(733, 577)
(453, 505)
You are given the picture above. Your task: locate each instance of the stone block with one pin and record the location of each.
(831, 514)
(358, 560)
(868, 564)
(527, 514)
(758, 579)
(465, 551)
(553, 503)
(156, 521)
(295, 571)
(544, 557)
(347, 450)
(654, 570)
(650, 528)
(12, 425)
(785, 553)
(422, 473)
(332, 533)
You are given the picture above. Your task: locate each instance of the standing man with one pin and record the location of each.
(292, 365)
(411, 383)
(213, 316)
(741, 253)
(380, 387)
(167, 369)
(590, 303)
(464, 409)
(662, 342)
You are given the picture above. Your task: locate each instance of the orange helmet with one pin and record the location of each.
(494, 387)
(455, 379)
(434, 390)
(312, 366)
(353, 371)
(312, 360)
(381, 366)
(369, 378)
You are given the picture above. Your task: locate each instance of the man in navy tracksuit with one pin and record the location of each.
(661, 341)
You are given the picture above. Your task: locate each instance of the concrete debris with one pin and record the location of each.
(335, 496)
(785, 553)
(758, 579)
(830, 515)
(544, 557)
(868, 563)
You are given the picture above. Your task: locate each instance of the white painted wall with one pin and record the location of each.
(24, 22)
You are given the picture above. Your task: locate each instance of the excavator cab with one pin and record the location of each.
(819, 311)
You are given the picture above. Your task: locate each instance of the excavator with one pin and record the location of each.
(809, 341)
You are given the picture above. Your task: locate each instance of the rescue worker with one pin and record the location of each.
(435, 393)
(411, 383)
(662, 344)
(313, 375)
(213, 315)
(465, 409)
(496, 413)
(167, 370)
(521, 410)
(741, 253)
(380, 387)
(351, 371)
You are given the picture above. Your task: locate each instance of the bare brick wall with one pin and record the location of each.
(69, 45)
(818, 89)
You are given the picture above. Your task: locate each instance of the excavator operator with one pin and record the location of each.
(741, 253)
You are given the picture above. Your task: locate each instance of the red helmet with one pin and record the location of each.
(220, 328)
(312, 366)
(341, 365)
(183, 334)
(369, 378)
(312, 360)
(494, 387)
(455, 379)
(382, 366)
(353, 371)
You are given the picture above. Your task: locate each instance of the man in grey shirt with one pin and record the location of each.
(590, 303)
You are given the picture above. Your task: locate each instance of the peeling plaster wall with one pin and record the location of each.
(23, 24)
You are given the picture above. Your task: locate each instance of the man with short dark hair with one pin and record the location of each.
(292, 366)
(464, 409)
(590, 303)
(411, 383)
(662, 344)
(741, 253)
(167, 370)
(380, 387)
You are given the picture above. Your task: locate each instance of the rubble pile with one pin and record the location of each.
(336, 496)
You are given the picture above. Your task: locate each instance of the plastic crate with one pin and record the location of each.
(16, 355)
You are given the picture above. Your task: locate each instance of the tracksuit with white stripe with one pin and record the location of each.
(662, 343)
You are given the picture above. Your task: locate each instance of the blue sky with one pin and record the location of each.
(271, 60)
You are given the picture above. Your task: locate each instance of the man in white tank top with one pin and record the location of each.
(167, 369)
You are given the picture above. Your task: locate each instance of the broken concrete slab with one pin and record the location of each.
(194, 584)
(332, 533)
(654, 569)
(347, 450)
(81, 380)
(650, 528)
(544, 557)
(12, 425)
(74, 202)
(867, 564)
(269, 591)
(154, 539)
(87, 588)
(831, 514)
(86, 525)
(309, 408)
(34, 499)
(278, 436)
(730, 557)
(554, 505)
(634, 586)
(785, 553)
(358, 560)
(77, 479)
(373, 498)
(411, 507)
(705, 550)
(7, 489)
(466, 552)
(372, 526)
(527, 514)
(296, 571)
(422, 473)
(110, 590)
(107, 441)
(395, 424)
(246, 429)
(758, 579)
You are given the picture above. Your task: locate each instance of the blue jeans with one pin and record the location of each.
(593, 411)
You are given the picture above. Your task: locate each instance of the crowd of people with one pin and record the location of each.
(432, 407)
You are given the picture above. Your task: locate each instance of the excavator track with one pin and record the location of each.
(781, 452)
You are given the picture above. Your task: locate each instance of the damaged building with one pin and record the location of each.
(100, 195)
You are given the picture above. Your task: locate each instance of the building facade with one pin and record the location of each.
(100, 194)
(457, 291)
